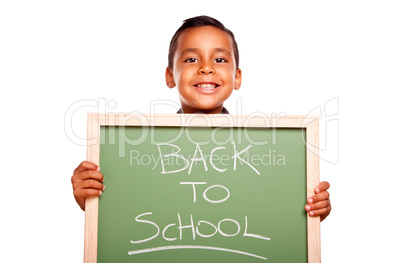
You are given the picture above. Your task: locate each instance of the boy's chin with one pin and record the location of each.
(203, 105)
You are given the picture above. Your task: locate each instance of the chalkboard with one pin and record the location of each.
(203, 188)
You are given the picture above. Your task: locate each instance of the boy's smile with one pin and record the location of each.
(204, 70)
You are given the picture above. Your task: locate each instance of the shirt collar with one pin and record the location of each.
(224, 111)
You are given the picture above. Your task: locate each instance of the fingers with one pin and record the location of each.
(318, 197)
(86, 181)
(321, 209)
(85, 165)
(322, 213)
(89, 184)
(86, 175)
(84, 193)
(319, 204)
(87, 187)
(321, 187)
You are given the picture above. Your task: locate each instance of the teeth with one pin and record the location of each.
(206, 86)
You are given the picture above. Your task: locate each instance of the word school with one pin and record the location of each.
(195, 229)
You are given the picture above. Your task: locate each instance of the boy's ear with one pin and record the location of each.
(169, 78)
(237, 79)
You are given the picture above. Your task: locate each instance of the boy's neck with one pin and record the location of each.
(217, 110)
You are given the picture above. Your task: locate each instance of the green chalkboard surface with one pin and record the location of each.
(202, 194)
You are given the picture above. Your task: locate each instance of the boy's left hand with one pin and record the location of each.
(319, 204)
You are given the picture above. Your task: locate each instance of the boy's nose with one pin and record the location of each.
(206, 68)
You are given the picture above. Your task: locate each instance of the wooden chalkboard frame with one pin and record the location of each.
(310, 123)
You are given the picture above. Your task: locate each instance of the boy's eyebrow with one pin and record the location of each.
(189, 50)
(218, 49)
(222, 50)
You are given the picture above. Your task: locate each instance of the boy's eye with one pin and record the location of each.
(220, 60)
(191, 60)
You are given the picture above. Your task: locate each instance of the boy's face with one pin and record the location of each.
(204, 69)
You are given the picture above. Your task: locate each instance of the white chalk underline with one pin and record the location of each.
(154, 249)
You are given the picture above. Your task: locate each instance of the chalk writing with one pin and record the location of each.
(166, 151)
(198, 157)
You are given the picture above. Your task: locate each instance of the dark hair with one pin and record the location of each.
(200, 21)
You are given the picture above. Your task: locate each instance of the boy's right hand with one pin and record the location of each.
(86, 181)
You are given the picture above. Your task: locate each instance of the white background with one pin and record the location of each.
(295, 57)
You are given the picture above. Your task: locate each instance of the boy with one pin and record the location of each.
(204, 66)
